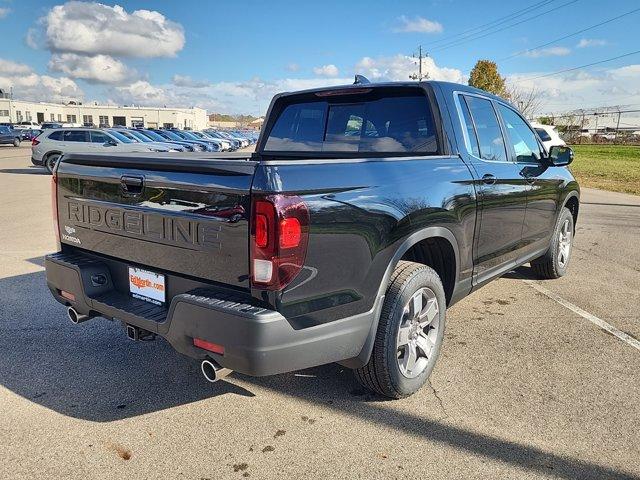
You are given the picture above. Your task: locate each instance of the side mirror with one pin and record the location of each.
(560, 156)
(110, 143)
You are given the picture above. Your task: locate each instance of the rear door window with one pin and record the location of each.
(57, 135)
(75, 136)
(393, 123)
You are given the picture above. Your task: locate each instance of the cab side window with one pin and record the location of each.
(522, 138)
(75, 136)
(488, 132)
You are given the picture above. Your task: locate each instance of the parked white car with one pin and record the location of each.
(26, 126)
(549, 135)
(50, 145)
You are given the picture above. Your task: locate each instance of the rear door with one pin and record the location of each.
(180, 215)
(75, 141)
(501, 188)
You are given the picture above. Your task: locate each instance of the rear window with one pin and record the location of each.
(392, 123)
(542, 133)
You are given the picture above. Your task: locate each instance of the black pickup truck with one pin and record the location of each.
(365, 212)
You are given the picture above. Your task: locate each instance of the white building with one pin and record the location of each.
(15, 111)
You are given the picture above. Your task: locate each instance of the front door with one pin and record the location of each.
(543, 181)
(501, 189)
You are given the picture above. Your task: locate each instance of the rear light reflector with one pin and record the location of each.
(35, 142)
(68, 295)
(212, 347)
(279, 237)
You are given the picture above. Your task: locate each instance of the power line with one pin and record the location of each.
(477, 37)
(568, 36)
(578, 68)
(493, 23)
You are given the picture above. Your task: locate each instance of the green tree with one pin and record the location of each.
(485, 76)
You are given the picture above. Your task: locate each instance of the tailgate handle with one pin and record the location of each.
(131, 185)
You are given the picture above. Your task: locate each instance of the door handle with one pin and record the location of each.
(488, 179)
(131, 186)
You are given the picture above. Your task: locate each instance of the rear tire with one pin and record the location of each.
(16, 142)
(555, 262)
(409, 335)
(50, 161)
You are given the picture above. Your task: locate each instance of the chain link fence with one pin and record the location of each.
(610, 125)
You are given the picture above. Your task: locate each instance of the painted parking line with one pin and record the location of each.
(625, 337)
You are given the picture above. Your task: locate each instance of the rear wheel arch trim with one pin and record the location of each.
(410, 241)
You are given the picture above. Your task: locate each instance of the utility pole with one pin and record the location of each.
(420, 76)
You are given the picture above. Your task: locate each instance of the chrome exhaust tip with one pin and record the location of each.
(212, 371)
(77, 317)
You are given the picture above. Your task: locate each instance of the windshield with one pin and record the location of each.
(378, 120)
(153, 135)
(140, 136)
(189, 135)
(120, 136)
(168, 134)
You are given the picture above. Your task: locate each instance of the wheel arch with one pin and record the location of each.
(409, 246)
(572, 202)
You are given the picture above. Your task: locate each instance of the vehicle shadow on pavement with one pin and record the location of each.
(89, 371)
(328, 385)
(92, 372)
(26, 171)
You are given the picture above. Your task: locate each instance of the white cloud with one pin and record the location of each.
(400, 67)
(548, 52)
(7, 67)
(251, 96)
(583, 90)
(292, 67)
(187, 81)
(417, 25)
(591, 42)
(93, 29)
(326, 71)
(4, 12)
(28, 85)
(95, 69)
(32, 38)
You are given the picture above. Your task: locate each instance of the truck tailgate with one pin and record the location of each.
(183, 215)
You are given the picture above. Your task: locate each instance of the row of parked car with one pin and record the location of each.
(47, 147)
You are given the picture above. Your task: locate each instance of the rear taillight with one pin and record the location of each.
(35, 142)
(279, 237)
(54, 204)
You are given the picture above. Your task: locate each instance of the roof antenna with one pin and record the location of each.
(361, 80)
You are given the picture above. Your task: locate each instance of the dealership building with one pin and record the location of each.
(77, 113)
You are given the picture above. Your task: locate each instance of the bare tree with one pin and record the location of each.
(527, 101)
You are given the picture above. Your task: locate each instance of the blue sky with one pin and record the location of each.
(232, 56)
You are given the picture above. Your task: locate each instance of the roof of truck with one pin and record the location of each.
(446, 86)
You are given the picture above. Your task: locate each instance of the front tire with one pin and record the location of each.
(16, 142)
(555, 262)
(409, 335)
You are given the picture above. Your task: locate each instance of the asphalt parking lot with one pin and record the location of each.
(527, 386)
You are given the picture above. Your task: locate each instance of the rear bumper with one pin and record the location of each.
(38, 163)
(257, 341)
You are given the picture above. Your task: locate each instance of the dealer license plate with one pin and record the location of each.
(147, 286)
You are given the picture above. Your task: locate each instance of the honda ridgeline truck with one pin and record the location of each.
(366, 211)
